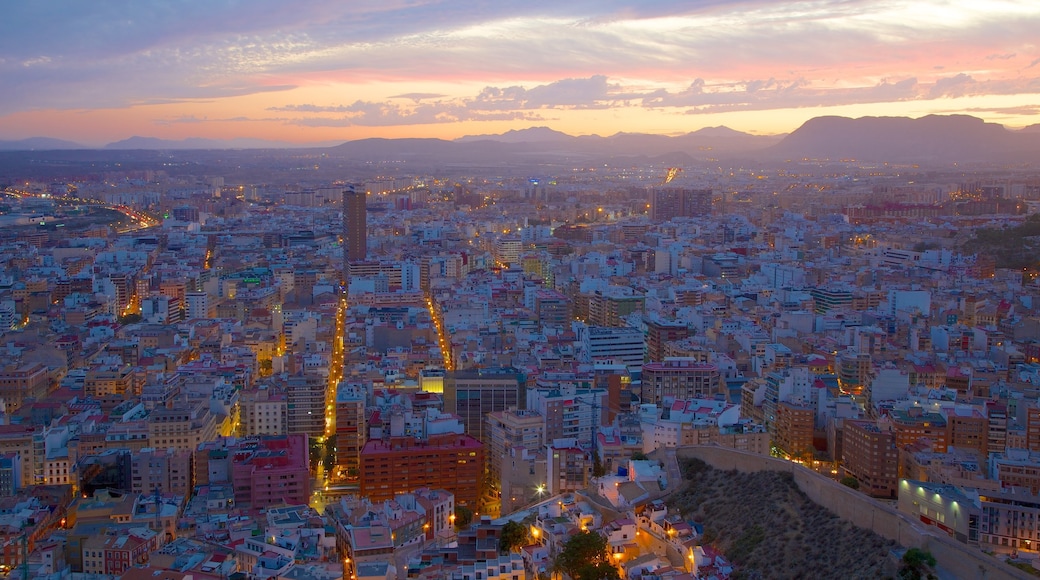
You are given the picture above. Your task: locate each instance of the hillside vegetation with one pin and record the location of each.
(1015, 247)
(769, 529)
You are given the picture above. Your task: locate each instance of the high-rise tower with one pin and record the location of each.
(355, 226)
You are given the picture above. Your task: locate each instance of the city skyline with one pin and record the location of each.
(320, 72)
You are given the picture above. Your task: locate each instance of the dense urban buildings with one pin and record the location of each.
(202, 381)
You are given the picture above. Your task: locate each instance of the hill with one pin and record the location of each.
(770, 529)
(934, 138)
(39, 144)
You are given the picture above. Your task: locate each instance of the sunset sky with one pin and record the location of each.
(334, 70)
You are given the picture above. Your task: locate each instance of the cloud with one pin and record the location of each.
(516, 102)
(580, 55)
(594, 92)
(955, 86)
(1024, 110)
(383, 114)
(419, 96)
(309, 108)
(192, 119)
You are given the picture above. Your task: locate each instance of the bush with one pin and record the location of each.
(849, 481)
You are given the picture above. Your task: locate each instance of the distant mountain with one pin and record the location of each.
(931, 139)
(934, 138)
(529, 135)
(706, 143)
(39, 144)
(200, 143)
(720, 131)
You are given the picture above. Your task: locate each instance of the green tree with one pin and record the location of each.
(849, 481)
(132, 318)
(515, 535)
(586, 556)
(639, 456)
(315, 449)
(463, 516)
(598, 469)
(915, 563)
(329, 456)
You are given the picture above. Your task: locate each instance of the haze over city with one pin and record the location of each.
(307, 72)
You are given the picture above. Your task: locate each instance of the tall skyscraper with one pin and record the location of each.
(355, 226)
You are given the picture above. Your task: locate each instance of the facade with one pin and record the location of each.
(10, 473)
(264, 471)
(968, 429)
(570, 413)
(197, 305)
(511, 432)
(355, 225)
(305, 404)
(169, 470)
(749, 437)
(351, 428)
(472, 394)
(553, 309)
(670, 202)
(454, 462)
(1016, 468)
(568, 467)
(679, 379)
(915, 424)
(869, 455)
(507, 251)
(19, 382)
(659, 333)
(948, 508)
(183, 427)
(114, 554)
(794, 429)
(611, 309)
(614, 343)
(263, 411)
(104, 380)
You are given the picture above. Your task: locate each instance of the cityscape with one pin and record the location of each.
(587, 325)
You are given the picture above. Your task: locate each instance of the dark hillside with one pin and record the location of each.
(770, 529)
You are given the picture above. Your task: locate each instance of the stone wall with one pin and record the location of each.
(954, 560)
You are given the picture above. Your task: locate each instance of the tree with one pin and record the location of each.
(132, 318)
(515, 535)
(915, 562)
(849, 481)
(639, 456)
(585, 556)
(598, 469)
(329, 456)
(463, 516)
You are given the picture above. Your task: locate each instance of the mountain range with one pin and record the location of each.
(39, 144)
(930, 139)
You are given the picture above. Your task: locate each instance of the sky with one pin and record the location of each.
(336, 70)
